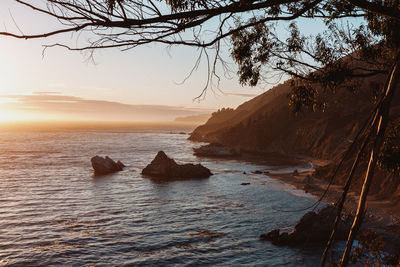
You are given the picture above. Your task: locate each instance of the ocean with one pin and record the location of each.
(54, 212)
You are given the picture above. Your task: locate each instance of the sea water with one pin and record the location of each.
(54, 212)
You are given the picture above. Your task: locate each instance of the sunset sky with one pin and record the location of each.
(32, 87)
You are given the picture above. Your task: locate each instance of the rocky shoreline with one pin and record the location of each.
(313, 227)
(381, 217)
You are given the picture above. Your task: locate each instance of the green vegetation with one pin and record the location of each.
(329, 59)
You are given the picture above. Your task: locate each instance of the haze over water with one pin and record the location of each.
(54, 212)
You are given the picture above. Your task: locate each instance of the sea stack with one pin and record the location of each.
(164, 167)
(102, 166)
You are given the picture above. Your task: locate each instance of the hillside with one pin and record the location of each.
(193, 119)
(266, 124)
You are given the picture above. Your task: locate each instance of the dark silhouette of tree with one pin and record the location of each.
(390, 155)
(250, 26)
(330, 59)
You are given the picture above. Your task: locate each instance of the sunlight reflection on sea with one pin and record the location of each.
(53, 212)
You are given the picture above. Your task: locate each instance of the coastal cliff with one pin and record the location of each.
(266, 124)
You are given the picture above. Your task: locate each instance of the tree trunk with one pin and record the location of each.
(344, 195)
(379, 127)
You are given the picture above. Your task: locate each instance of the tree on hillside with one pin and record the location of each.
(253, 30)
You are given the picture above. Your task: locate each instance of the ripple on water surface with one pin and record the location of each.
(53, 212)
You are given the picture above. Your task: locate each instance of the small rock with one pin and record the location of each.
(120, 164)
(244, 183)
(307, 187)
(271, 236)
(257, 172)
(105, 165)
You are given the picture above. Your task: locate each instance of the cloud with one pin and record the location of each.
(56, 105)
(46, 93)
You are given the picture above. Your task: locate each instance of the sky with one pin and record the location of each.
(148, 75)
(140, 84)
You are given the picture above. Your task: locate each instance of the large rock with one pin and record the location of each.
(216, 150)
(105, 165)
(312, 228)
(164, 167)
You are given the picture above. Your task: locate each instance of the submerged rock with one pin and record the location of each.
(105, 165)
(312, 228)
(273, 235)
(216, 150)
(164, 167)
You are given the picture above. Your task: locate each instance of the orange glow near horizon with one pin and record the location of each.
(9, 115)
(6, 115)
(14, 116)
(52, 106)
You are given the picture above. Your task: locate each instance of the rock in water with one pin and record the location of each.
(105, 165)
(164, 167)
(312, 228)
(273, 235)
(120, 164)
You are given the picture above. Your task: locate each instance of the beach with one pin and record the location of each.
(381, 216)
